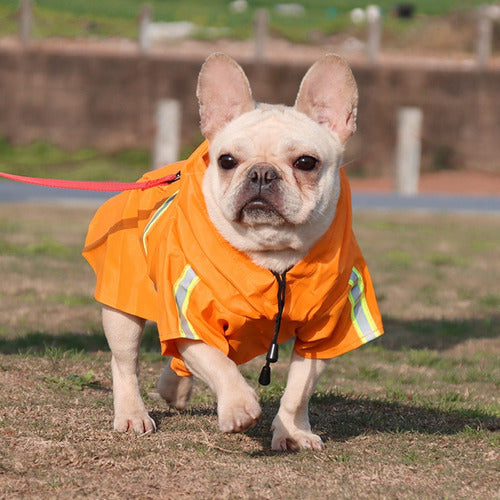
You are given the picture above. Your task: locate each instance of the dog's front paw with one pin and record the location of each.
(239, 412)
(292, 438)
(139, 422)
(298, 441)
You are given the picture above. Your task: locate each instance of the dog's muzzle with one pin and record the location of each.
(262, 176)
(260, 195)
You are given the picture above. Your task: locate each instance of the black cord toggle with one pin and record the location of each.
(272, 354)
(265, 375)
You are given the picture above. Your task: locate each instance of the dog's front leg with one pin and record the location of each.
(291, 428)
(123, 333)
(237, 403)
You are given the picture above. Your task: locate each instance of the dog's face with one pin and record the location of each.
(272, 184)
(274, 167)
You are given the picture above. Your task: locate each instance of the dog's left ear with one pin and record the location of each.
(328, 94)
(223, 93)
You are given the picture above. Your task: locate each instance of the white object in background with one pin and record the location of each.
(145, 20)
(261, 26)
(168, 132)
(358, 16)
(374, 19)
(408, 150)
(486, 15)
(290, 9)
(25, 21)
(238, 6)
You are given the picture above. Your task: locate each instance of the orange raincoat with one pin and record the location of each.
(157, 255)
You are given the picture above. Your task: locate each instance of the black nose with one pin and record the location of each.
(262, 175)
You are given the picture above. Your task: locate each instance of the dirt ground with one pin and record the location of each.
(438, 53)
(415, 415)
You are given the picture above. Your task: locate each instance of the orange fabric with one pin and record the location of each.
(185, 276)
(114, 249)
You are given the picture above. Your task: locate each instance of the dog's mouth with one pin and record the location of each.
(258, 210)
(259, 204)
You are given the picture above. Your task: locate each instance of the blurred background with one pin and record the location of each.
(106, 89)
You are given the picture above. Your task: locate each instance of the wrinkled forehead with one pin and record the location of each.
(271, 133)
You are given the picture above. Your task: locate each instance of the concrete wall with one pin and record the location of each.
(461, 109)
(77, 98)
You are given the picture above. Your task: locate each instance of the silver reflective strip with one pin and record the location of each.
(360, 313)
(182, 293)
(155, 218)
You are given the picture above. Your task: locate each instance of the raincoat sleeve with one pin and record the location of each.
(352, 322)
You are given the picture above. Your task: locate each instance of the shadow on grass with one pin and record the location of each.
(338, 418)
(163, 417)
(419, 334)
(38, 342)
(436, 334)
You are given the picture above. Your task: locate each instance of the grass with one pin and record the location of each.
(119, 17)
(415, 414)
(41, 159)
(71, 382)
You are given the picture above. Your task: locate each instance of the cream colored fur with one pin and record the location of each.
(274, 135)
(302, 207)
(123, 333)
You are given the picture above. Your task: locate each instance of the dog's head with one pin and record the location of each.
(272, 184)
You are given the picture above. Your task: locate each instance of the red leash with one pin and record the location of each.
(92, 185)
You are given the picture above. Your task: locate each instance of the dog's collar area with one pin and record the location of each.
(272, 354)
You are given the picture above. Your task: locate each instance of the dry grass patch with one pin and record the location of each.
(415, 415)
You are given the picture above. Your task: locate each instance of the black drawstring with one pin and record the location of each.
(272, 354)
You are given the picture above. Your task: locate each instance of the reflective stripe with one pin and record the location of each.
(360, 313)
(155, 218)
(183, 288)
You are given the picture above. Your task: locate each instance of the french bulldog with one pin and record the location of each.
(271, 191)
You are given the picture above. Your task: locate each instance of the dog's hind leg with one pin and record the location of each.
(124, 332)
(173, 389)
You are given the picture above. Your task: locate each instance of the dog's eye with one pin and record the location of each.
(227, 162)
(305, 163)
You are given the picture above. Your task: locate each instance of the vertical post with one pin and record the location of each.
(25, 21)
(484, 36)
(168, 131)
(408, 150)
(261, 25)
(374, 20)
(145, 19)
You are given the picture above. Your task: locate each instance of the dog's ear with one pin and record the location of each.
(328, 94)
(223, 93)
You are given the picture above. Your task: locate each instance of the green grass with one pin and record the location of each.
(118, 17)
(71, 300)
(71, 382)
(44, 247)
(41, 159)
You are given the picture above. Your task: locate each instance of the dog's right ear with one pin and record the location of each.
(223, 93)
